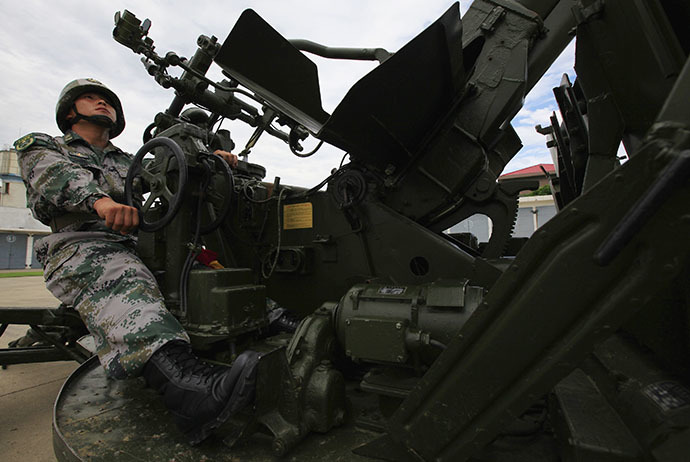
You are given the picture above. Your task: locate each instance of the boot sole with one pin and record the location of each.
(242, 395)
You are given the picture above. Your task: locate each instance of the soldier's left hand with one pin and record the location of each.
(230, 158)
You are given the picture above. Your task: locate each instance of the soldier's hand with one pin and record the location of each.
(119, 217)
(230, 158)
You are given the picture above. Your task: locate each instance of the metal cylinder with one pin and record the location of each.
(400, 323)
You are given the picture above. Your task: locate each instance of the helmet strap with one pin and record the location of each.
(100, 120)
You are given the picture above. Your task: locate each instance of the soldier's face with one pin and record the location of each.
(91, 104)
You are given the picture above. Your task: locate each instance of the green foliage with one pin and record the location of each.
(16, 274)
(542, 191)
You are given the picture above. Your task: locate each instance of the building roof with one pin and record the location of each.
(15, 219)
(534, 170)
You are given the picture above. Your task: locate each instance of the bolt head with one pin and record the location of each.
(278, 447)
(483, 185)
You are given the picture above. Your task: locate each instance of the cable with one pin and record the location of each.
(193, 252)
(343, 160)
(219, 86)
(318, 186)
(275, 260)
(308, 154)
(249, 185)
(219, 123)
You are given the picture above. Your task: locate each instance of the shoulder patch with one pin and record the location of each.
(36, 140)
(78, 154)
(24, 142)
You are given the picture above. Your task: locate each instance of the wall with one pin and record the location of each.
(13, 251)
(526, 222)
(12, 192)
(534, 211)
(18, 228)
(479, 225)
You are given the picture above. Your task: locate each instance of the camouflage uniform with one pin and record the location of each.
(86, 264)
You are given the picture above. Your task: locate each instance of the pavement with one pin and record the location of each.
(19, 270)
(28, 391)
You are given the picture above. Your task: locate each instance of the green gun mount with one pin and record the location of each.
(413, 345)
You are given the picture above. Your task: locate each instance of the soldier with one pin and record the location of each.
(75, 184)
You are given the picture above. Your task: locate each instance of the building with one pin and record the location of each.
(18, 227)
(534, 207)
(539, 172)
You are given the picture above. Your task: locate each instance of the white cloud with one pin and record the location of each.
(538, 107)
(534, 116)
(39, 60)
(529, 157)
(530, 138)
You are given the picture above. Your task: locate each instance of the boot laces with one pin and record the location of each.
(190, 366)
(290, 319)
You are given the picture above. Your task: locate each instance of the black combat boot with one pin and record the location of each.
(281, 320)
(201, 396)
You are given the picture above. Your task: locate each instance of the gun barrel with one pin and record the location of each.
(363, 54)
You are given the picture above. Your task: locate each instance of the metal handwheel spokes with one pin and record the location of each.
(164, 178)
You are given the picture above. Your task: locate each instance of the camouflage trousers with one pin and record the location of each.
(117, 297)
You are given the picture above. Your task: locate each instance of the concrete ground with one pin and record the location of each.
(28, 391)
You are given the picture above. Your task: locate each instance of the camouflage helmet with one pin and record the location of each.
(78, 87)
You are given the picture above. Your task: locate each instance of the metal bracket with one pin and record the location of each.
(492, 18)
(584, 14)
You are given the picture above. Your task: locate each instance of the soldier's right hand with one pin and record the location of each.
(119, 217)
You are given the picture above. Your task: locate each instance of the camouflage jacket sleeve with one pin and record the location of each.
(56, 182)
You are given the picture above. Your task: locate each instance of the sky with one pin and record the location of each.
(44, 45)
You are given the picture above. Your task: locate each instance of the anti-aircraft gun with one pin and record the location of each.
(415, 345)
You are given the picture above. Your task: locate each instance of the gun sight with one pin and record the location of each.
(131, 32)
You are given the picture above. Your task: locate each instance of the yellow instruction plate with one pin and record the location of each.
(298, 216)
